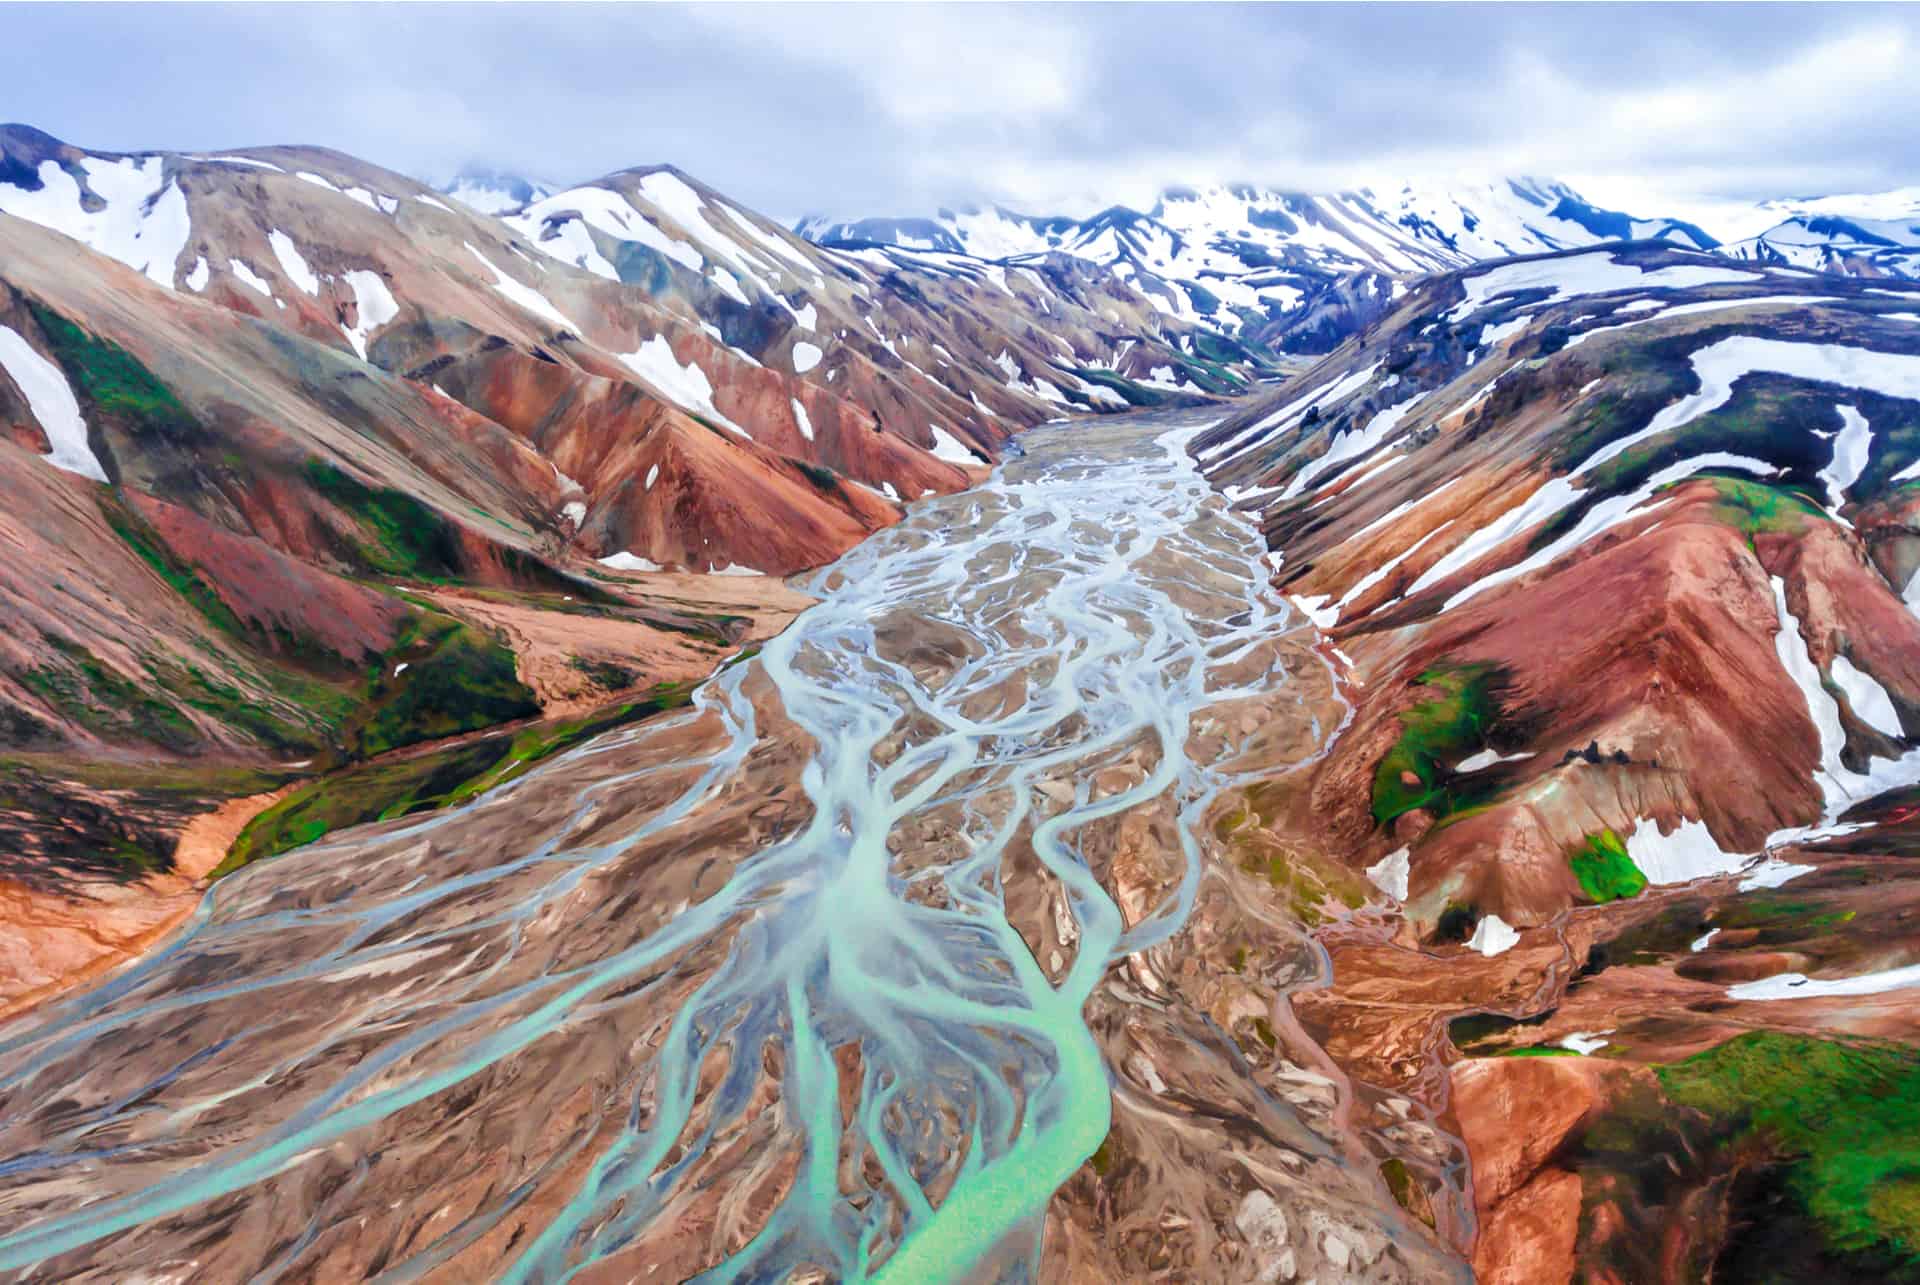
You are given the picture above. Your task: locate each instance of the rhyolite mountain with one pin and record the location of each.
(333, 497)
(1292, 271)
(307, 461)
(1617, 550)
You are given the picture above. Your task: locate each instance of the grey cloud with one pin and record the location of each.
(817, 108)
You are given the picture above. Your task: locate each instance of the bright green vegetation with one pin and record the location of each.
(112, 379)
(1756, 508)
(1539, 1050)
(434, 779)
(1451, 725)
(457, 679)
(1605, 871)
(405, 537)
(1843, 1118)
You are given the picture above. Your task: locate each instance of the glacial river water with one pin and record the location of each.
(765, 990)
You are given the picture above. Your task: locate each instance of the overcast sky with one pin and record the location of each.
(874, 110)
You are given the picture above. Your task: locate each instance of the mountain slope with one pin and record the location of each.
(1611, 547)
(1870, 235)
(1289, 270)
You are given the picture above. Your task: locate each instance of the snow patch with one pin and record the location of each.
(374, 307)
(686, 386)
(800, 420)
(525, 296)
(805, 357)
(624, 561)
(53, 404)
(1493, 936)
(1390, 873)
(292, 266)
(143, 220)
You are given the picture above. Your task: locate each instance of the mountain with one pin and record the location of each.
(494, 191)
(309, 465)
(1616, 553)
(1871, 235)
(1292, 271)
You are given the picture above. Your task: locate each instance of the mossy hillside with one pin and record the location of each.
(402, 536)
(1605, 871)
(86, 691)
(456, 679)
(1842, 1119)
(1757, 508)
(1451, 724)
(113, 382)
(434, 779)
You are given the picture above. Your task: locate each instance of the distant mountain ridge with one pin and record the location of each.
(1294, 271)
(1863, 234)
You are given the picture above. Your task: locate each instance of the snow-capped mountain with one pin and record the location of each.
(1867, 234)
(1291, 270)
(495, 191)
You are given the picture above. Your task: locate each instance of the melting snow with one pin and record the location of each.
(687, 386)
(800, 420)
(144, 222)
(805, 357)
(525, 296)
(1557, 495)
(630, 562)
(1493, 936)
(1840, 786)
(1690, 852)
(1849, 455)
(949, 448)
(1866, 697)
(1704, 940)
(1720, 365)
(239, 160)
(292, 266)
(1488, 758)
(1314, 608)
(1800, 986)
(1597, 273)
(652, 473)
(605, 211)
(196, 280)
(373, 303)
(1585, 1042)
(1390, 873)
(53, 404)
(249, 278)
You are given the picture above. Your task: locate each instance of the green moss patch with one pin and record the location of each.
(1605, 871)
(404, 536)
(447, 777)
(457, 679)
(1755, 508)
(1843, 1119)
(113, 381)
(1449, 726)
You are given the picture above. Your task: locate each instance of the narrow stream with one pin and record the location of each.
(752, 992)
